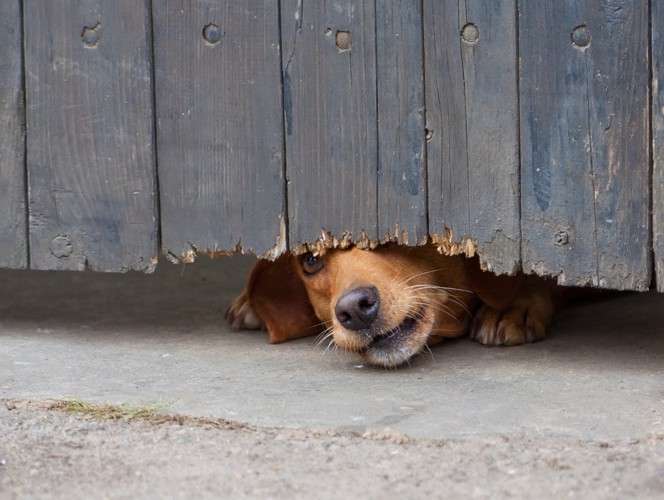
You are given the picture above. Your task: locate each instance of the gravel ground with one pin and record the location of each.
(46, 453)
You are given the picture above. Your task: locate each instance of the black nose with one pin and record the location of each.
(358, 309)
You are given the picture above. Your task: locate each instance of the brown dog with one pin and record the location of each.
(390, 303)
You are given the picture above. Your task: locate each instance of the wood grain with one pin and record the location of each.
(90, 135)
(402, 202)
(472, 123)
(219, 125)
(657, 40)
(585, 142)
(329, 68)
(13, 215)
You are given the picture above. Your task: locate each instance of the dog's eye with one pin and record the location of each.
(311, 264)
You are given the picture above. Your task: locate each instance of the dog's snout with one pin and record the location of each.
(358, 308)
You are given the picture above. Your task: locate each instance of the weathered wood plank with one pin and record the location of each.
(657, 19)
(330, 112)
(90, 135)
(472, 127)
(585, 142)
(402, 207)
(13, 216)
(219, 125)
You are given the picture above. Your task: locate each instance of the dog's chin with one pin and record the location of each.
(397, 345)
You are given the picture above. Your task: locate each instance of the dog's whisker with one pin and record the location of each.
(412, 277)
(321, 341)
(429, 302)
(325, 331)
(407, 305)
(331, 346)
(324, 335)
(451, 297)
(322, 323)
(439, 307)
(454, 300)
(437, 287)
(443, 330)
(461, 304)
(426, 349)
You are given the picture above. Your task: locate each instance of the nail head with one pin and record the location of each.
(212, 34)
(581, 36)
(61, 246)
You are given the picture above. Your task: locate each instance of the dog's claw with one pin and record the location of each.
(526, 320)
(241, 316)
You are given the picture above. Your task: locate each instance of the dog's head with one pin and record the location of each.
(386, 304)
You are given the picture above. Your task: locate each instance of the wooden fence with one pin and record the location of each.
(530, 131)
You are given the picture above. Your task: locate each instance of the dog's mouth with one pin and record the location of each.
(395, 335)
(396, 345)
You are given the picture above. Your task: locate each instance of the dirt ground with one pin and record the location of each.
(51, 454)
(580, 414)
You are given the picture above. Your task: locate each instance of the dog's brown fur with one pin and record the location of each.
(409, 298)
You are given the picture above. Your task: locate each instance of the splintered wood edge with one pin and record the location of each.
(190, 255)
(445, 243)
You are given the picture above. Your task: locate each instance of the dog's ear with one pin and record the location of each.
(498, 292)
(279, 298)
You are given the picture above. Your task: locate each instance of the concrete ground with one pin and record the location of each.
(580, 414)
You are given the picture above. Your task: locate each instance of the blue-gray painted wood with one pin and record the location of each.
(219, 125)
(657, 30)
(327, 108)
(402, 203)
(584, 142)
(329, 68)
(90, 135)
(472, 126)
(13, 216)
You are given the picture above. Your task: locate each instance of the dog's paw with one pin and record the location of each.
(242, 316)
(526, 320)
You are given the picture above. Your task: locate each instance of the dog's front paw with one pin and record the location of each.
(241, 315)
(526, 320)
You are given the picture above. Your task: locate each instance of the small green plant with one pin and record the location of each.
(125, 411)
(146, 413)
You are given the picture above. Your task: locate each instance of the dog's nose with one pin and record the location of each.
(358, 309)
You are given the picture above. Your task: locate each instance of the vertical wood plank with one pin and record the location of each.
(13, 217)
(402, 207)
(330, 118)
(472, 125)
(219, 125)
(657, 41)
(90, 135)
(585, 141)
